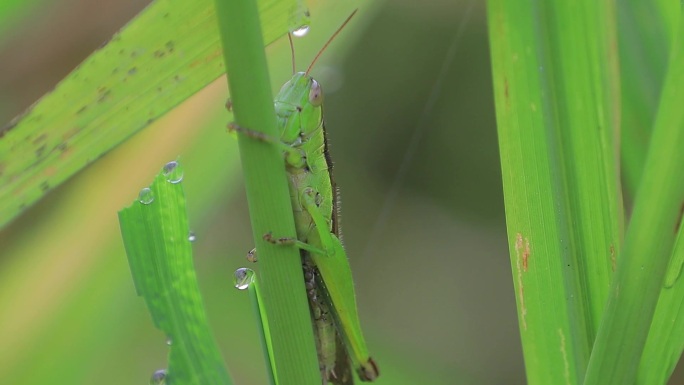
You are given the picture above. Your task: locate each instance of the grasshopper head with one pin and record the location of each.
(298, 107)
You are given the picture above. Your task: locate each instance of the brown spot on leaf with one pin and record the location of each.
(50, 171)
(103, 94)
(40, 151)
(39, 139)
(70, 133)
(208, 59)
(506, 89)
(519, 244)
(526, 254)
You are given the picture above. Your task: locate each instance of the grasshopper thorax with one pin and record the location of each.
(298, 107)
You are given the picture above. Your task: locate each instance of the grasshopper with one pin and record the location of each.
(328, 277)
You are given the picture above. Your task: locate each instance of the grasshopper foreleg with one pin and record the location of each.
(287, 241)
(293, 156)
(234, 127)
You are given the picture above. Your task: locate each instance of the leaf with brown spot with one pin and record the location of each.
(100, 104)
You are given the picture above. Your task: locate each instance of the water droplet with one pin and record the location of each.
(243, 278)
(146, 196)
(191, 236)
(173, 172)
(301, 31)
(158, 377)
(169, 341)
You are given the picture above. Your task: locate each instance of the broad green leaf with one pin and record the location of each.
(94, 297)
(557, 105)
(156, 236)
(166, 54)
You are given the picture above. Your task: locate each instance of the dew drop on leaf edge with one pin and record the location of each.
(158, 377)
(146, 196)
(301, 31)
(243, 278)
(173, 172)
(191, 236)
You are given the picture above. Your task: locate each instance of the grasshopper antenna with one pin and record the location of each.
(329, 41)
(289, 37)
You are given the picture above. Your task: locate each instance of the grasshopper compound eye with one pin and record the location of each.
(315, 94)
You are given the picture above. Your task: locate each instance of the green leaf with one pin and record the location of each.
(646, 29)
(163, 56)
(556, 93)
(648, 244)
(285, 316)
(665, 340)
(155, 233)
(247, 277)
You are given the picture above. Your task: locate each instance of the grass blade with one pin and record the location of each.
(665, 340)
(163, 56)
(280, 276)
(555, 83)
(649, 240)
(646, 30)
(155, 235)
(247, 279)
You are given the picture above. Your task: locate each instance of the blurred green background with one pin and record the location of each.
(422, 208)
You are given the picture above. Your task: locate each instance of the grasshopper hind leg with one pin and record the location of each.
(334, 361)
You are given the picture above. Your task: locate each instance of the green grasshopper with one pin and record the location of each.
(328, 276)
